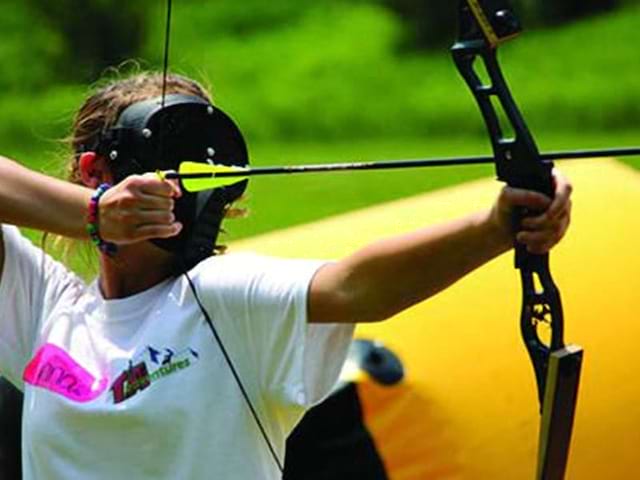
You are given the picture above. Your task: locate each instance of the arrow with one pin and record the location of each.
(196, 176)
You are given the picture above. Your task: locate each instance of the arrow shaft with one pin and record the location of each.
(400, 164)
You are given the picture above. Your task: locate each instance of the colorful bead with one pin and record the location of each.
(92, 222)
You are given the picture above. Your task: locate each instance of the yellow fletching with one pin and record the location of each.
(209, 176)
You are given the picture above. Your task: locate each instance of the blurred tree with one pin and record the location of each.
(556, 12)
(29, 49)
(429, 24)
(215, 21)
(95, 33)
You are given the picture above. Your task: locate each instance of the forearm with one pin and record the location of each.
(393, 274)
(31, 199)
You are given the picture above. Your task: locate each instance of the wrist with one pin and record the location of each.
(93, 221)
(498, 231)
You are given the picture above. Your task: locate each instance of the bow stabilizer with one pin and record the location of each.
(484, 25)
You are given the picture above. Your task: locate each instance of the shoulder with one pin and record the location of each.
(253, 276)
(20, 250)
(10, 235)
(28, 264)
(247, 265)
(15, 244)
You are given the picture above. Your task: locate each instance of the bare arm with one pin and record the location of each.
(391, 275)
(138, 208)
(31, 199)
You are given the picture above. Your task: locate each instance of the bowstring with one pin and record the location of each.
(167, 37)
(230, 364)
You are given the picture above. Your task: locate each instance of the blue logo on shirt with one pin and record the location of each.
(149, 366)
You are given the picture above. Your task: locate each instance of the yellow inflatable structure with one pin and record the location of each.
(467, 408)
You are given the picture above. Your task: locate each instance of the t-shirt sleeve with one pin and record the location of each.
(298, 363)
(32, 283)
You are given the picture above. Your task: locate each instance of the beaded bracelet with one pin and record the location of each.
(92, 221)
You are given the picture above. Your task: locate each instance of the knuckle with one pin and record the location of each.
(129, 231)
(157, 231)
(558, 234)
(127, 201)
(569, 187)
(127, 216)
(136, 183)
(132, 181)
(164, 204)
(150, 232)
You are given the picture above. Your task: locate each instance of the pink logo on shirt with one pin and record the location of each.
(53, 369)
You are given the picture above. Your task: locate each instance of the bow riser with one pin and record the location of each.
(518, 164)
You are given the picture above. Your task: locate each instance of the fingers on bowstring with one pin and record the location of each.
(153, 184)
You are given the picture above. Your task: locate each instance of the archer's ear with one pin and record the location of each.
(93, 169)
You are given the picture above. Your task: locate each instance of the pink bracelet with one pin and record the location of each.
(92, 222)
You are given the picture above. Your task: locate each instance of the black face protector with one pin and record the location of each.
(149, 137)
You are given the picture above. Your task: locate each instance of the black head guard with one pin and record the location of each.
(155, 135)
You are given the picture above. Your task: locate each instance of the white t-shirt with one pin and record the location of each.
(138, 387)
